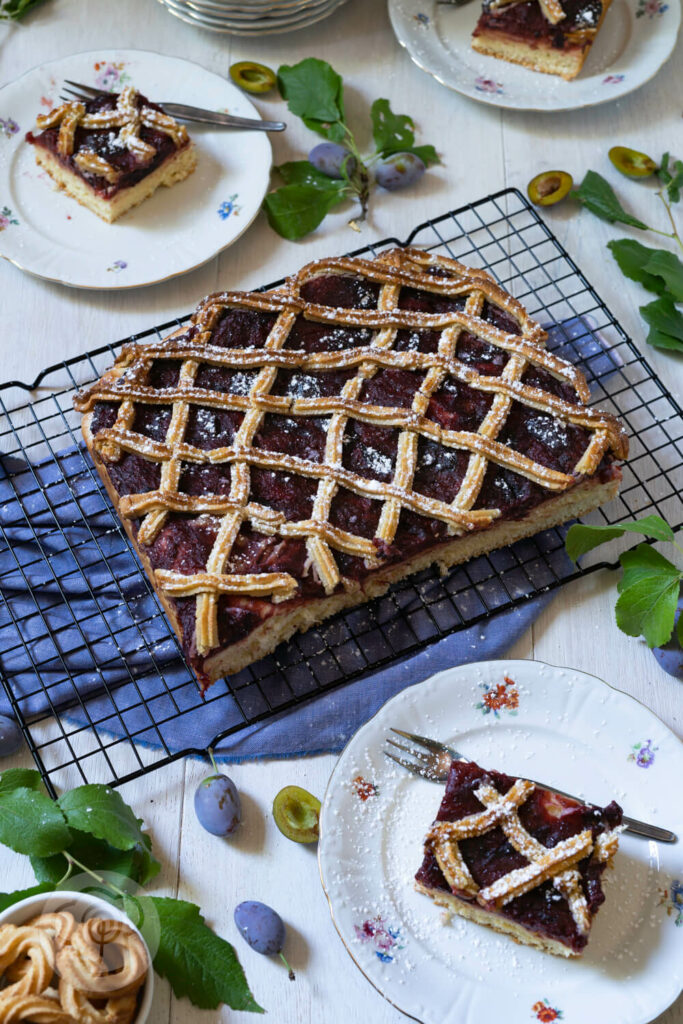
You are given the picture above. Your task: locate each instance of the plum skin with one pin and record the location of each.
(329, 157)
(260, 926)
(217, 805)
(399, 170)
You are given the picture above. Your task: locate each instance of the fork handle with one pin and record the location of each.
(641, 828)
(188, 113)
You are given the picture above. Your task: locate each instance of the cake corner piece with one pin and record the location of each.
(523, 860)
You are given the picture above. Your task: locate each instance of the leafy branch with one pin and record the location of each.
(659, 270)
(13, 10)
(91, 829)
(650, 584)
(314, 91)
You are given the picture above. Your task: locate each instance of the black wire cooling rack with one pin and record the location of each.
(89, 663)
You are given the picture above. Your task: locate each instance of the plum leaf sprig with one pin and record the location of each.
(91, 830)
(650, 584)
(336, 171)
(658, 270)
(13, 10)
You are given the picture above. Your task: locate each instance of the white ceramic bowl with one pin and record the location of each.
(82, 906)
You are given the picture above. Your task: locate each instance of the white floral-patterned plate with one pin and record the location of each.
(637, 38)
(177, 229)
(564, 727)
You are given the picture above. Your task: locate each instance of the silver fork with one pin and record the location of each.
(433, 759)
(195, 115)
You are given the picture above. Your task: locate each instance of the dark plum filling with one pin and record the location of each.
(546, 816)
(105, 143)
(527, 22)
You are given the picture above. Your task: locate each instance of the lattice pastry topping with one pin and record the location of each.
(490, 858)
(125, 119)
(320, 432)
(57, 971)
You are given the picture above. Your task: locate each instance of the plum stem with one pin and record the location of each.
(290, 972)
(213, 760)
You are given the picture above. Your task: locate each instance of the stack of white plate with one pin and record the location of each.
(251, 17)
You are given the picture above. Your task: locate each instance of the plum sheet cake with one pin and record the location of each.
(293, 452)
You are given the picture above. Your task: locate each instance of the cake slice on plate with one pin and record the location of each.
(294, 452)
(552, 36)
(524, 860)
(112, 152)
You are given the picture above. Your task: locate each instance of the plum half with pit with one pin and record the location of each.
(549, 187)
(631, 162)
(297, 814)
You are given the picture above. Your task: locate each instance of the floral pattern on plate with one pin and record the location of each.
(501, 697)
(385, 940)
(651, 8)
(117, 266)
(7, 218)
(643, 754)
(545, 1012)
(228, 207)
(8, 127)
(671, 897)
(482, 84)
(364, 789)
(110, 75)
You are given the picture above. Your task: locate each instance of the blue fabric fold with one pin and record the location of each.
(77, 605)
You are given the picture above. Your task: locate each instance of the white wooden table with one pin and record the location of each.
(482, 151)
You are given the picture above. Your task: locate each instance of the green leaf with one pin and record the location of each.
(196, 961)
(12, 10)
(102, 812)
(301, 172)
(427, 154)
(598, 196)
(313, 91)
(295, 210)
(672, 178)
(648, 595)
(31, 823)
(392, 132)
(8, 899)
(665, 322)
(138, 864)
(667, 265)
(20, 778)
(582, 537)
(632, 258)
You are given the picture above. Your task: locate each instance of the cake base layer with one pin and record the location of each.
(174, 169)
(284, 623)
(565, 63)
(473, 912)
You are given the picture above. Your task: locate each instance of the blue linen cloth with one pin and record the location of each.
(99, 658)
